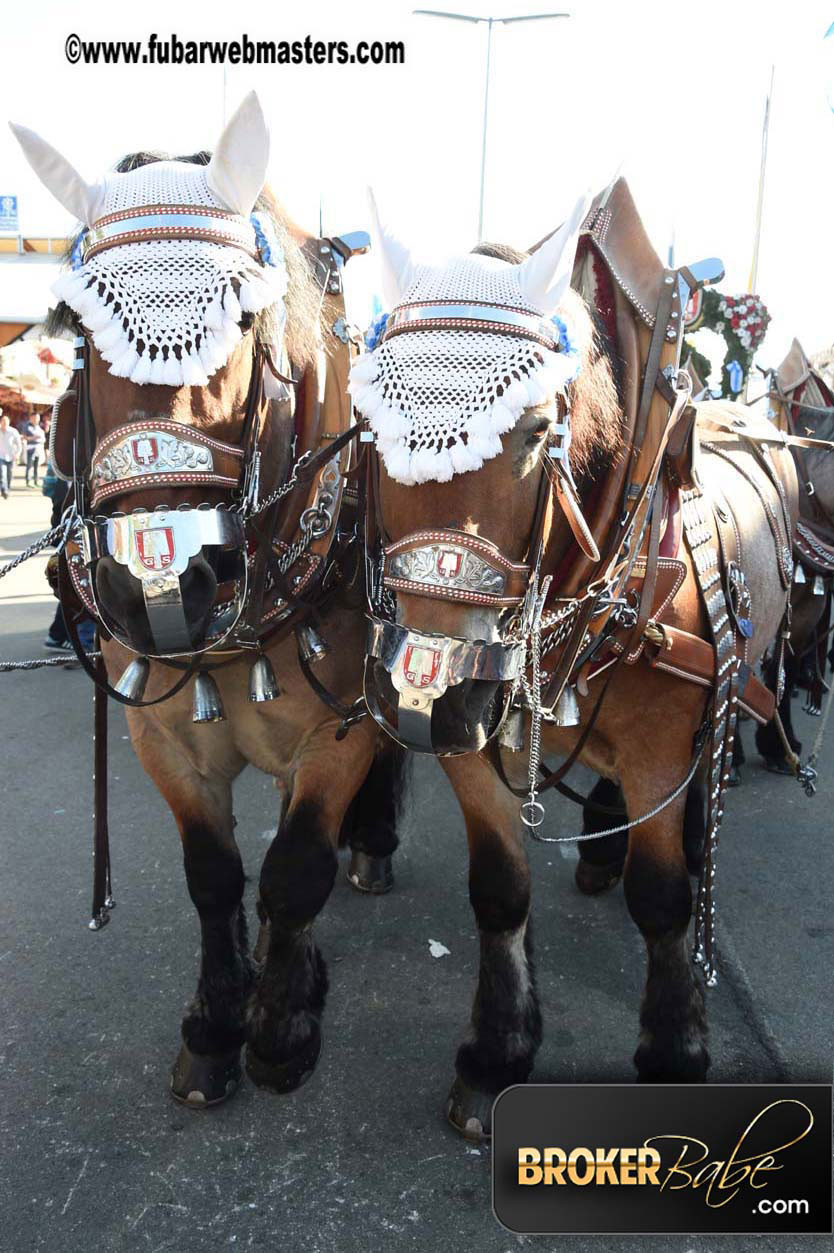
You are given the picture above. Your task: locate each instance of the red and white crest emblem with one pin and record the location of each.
(694, 307)
(421, 666)
(145, 450)
(448, 563)
(156, 547)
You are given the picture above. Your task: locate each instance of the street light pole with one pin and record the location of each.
(484, 137)
(491, 21)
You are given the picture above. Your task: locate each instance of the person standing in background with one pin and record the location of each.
(35, 438)
(10, 446)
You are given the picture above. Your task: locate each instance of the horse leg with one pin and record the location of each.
(207, 1069)
(672, 1044)
(506, 1025)
(373, 821)
(283, 1028)
(601, 860)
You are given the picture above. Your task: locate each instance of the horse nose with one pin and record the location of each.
(198, 587)
(466, 715)
(462, 718)
(120, 596)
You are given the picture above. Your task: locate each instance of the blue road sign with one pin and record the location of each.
(8, 214)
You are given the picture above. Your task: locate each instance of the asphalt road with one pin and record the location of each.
(96, 1156)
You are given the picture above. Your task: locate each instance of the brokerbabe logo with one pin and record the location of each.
(672, 1158)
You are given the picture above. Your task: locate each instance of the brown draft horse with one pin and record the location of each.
(274, 1005)
(642, 741)
(802, 403)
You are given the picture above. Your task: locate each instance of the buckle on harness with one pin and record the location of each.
(655, 634)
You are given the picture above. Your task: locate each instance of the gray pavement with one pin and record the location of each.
(95, 1155)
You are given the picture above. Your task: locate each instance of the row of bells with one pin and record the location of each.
(207, 705)
(263, 686)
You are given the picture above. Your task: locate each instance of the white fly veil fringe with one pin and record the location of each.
(168, 310)
(439, 400)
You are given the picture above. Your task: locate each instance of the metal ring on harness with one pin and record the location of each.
(316, 521)
(532, 814)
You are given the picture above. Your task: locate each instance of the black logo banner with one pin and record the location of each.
(631, 1159)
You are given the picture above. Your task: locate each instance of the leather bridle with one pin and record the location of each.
(457, 567)
(156, 544)
(468, 570)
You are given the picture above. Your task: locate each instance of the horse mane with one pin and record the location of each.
(303, 299)
(596, 395)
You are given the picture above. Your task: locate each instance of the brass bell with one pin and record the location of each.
(819, 586)
(263, 685)
(566, 709)
(134, 680)
(311, 646)
(511, 735)
(799, 573)
(207, 707)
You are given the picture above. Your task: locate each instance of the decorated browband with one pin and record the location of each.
(254, 235)
(481, 316)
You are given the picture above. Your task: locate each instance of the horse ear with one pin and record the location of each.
(545, 276)
(396, 260)
(237, 170)
(81, 199)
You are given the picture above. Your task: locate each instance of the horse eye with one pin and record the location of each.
(538, 432)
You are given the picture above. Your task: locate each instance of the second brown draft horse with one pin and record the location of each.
(495, 582)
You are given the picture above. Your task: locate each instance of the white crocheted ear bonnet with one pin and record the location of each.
(168, 310)
(173, 255)
(438, 400)
(468, 347)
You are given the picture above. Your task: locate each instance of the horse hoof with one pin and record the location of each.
(591, 879)
(283, 1077)
(470, 1111)
(370, 874)
(735, 777)
(687, 1063)
(200, 1080)
(777, 765)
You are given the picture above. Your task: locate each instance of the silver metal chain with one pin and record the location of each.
(532, 811)
(59, 532)
(251, 506)
(41, 663)
(631, 822)
(296, 550)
